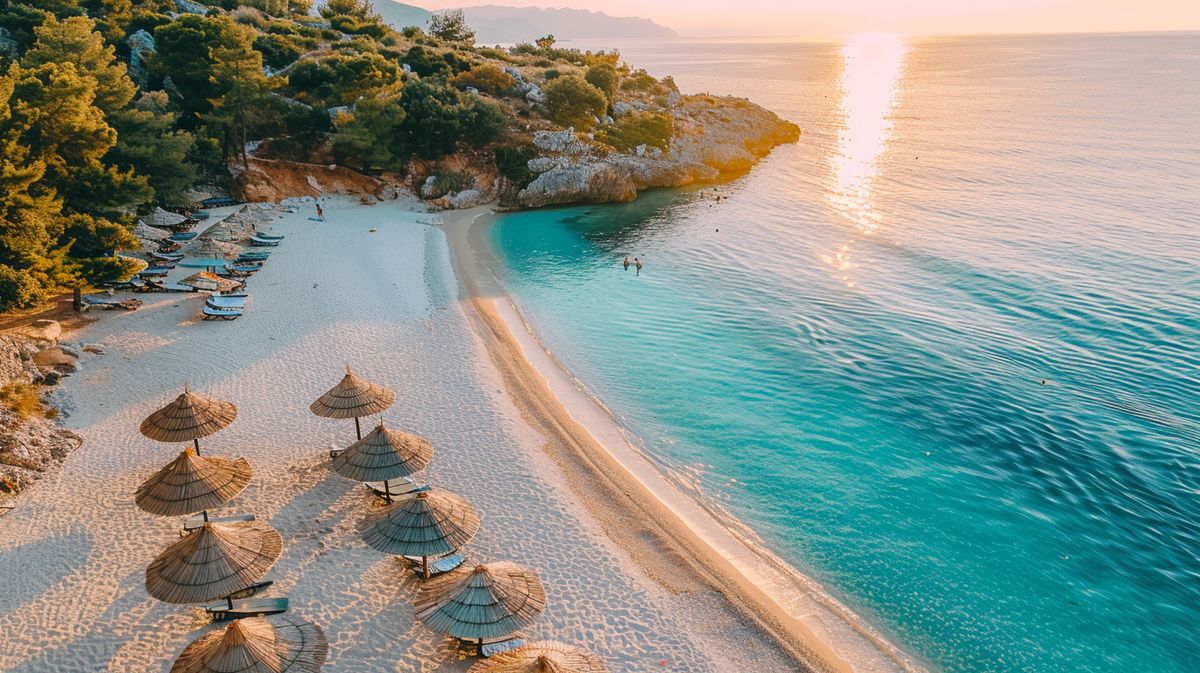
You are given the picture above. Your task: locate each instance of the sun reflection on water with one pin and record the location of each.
(869, 84)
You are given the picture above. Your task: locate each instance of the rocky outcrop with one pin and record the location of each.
(714, 136)
(30, 443)
(275, 180)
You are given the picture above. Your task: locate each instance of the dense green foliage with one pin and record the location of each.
(652, 129)
(604, 77)
(110, 107)
(574, 102)
(512, 161)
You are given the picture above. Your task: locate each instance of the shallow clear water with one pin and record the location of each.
(943, 353)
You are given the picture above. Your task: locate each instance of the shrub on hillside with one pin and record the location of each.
(438, 117)
(431, 63)
(653, 129)
(605, 78)
(278, 51)
(488, 78)
(574, 102)
(512, 161)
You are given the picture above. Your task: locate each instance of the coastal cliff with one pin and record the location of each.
(715, 137)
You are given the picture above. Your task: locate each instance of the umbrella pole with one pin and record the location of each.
(204, 515)
(425, 566)
(196, 443)
(387, 491)
(357, 428)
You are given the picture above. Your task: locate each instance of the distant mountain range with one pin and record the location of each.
(497, 25)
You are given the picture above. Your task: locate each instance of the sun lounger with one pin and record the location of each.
(225, 303)
(197, 520)
(244, 268)
(262, 242)
(211, 313)
(166, 257)
(153, 271)
(252, 257)
(232, 294)
(268, 237)
(201, 215)
(497, 646)
(177, 287)
(251, 590)
(396, 487)
(111, 303)
(253, 607)
(134, 284)
(216, 202)
(438, 566)
(183, 235)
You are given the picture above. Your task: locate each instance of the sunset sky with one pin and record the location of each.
(817, 18)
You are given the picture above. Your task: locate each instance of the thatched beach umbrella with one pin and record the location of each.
(214, 562)
(164, 218)
(354, 398)
(257, 645)
(188, 418)
(487, 601)
(383, 455)
(192, 483)
(546, 656)
(209, 247)
(432, 523)
(206, 280)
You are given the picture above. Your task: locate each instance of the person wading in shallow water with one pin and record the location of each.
(637, 263)
(626, 263)
(320, 213)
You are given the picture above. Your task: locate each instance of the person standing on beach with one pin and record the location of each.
(637, 263)
(626, 263)
(320, 213)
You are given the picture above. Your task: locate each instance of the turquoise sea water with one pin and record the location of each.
(944, 353)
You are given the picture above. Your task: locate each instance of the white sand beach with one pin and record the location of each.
(372, 287)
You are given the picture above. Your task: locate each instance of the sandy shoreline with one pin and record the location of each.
(675, 535)
(373, 287)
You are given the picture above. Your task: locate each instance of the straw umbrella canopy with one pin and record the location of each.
(487, 601)
(546, 656)
(209, 247)
(214, 562)
(257, 645)
(164, 218)
(206, 280)
(432, 523)
(382, 455)
(353, 397)
(188, 418)
(192, 483)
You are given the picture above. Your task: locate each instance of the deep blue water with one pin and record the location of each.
(943, 353)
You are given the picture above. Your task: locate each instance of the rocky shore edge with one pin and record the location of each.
(32, 443)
